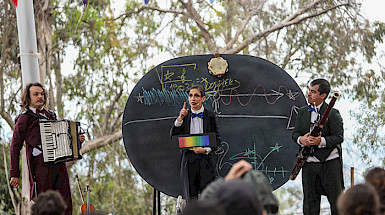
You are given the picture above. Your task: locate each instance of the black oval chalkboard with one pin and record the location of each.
(256, 103)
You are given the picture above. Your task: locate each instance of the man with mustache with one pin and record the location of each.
(42, 176)
(322, 171)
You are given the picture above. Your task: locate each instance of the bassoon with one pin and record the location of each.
(315, 132)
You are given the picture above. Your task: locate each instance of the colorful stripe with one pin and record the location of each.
(193, 141)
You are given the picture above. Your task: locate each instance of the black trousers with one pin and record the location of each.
(200, 170)
(321, 179)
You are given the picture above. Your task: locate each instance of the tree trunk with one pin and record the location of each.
(43, 20)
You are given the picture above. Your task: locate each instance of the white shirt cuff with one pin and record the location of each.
(208, 150)
(323, 143)
(298, 142)
(177, 123)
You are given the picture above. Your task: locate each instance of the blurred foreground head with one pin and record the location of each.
(237, 197)
(361, 199)
(49, 203)
(376, 177)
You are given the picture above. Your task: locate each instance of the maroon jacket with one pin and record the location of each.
(47, 175)
(26, 129)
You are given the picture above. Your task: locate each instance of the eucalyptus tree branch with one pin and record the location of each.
(8, 184)
(7, 117)
(96, 121)
(107, 114)
(323, 12)
(117, 119)
(3, 55)
(97, 143)
(302, 11)
(163, 10)
(243, 26)
(129, 14)
(292, 20)
(100, 141)
(288, 56)
(202, 26)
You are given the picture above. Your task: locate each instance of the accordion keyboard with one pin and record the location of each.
(47, 139)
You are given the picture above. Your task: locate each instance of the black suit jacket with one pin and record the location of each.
(333, 130)
(209, 125)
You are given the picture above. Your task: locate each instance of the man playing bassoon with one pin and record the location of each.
(322, 171)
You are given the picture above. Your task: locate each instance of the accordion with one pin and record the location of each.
(59, 140)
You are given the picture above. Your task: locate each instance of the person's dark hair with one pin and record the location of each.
(203, 207)
(26, 97)
(324, 86)
(237, 197)
(361, 199)
(376, 177)
(198, 87)
(49, 203)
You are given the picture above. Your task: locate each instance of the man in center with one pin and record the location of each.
(197, 164)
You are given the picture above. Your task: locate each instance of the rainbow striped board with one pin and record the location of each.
(193, 141)
(196, 140)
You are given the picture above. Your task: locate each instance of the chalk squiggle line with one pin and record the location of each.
(156, 96)
(253, 94)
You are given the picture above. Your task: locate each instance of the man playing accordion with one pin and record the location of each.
(42, 176)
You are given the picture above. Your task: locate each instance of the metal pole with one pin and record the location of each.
(154, 203)
(159, 202)
(27, 42)
(30, 73)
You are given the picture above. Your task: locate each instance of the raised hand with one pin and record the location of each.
(238, 170)
(183, 112)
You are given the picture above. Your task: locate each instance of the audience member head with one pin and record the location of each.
(49, 203)
(361, 199)
(237, 197)
(376, 177)
(203, 207)
(260, 186)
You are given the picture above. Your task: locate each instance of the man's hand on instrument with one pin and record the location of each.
(82, 138)
(304, 140)
(315, 140)
(198, 150)
(15, 181)
(238, 170)
(183, 112)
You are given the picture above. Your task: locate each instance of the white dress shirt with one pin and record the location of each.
(35, 151)
(313, 118)
(196, 126)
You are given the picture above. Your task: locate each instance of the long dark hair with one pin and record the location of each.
(26, 97)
